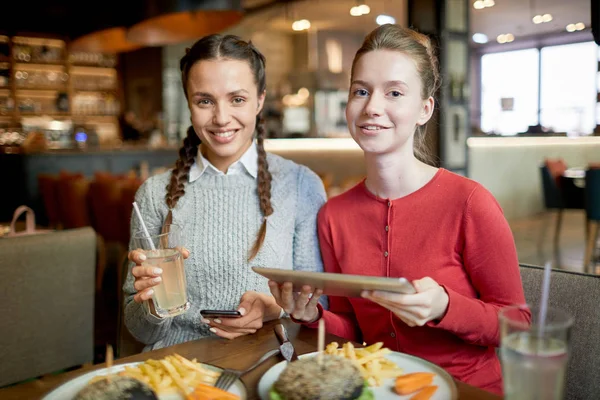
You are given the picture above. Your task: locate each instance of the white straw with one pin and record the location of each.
(544, 300)
(137, 211)
(321, 341)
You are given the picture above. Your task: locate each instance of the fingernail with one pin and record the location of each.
(364, 294)
(157, 271)
(157, 280)
(142, 257)
(242, 310)
(150, 293)
(205, 321)
(217, 320)
(213, 330)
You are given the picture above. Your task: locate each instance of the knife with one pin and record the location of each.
(286, 347)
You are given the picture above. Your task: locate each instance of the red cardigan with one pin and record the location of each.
(452, 230)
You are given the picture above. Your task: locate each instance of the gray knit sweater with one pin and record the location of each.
(220, 216)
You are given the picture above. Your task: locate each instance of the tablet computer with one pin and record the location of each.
(336, 284)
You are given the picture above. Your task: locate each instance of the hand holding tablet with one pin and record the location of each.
(336, 284)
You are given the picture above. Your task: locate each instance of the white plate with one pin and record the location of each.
(446, 387)
(68, 390)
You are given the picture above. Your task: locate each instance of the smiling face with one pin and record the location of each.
(224, 101)
(385, 104)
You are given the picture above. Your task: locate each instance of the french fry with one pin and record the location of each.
(175, 375)
(369, 360)
(195, 366)
(374, 347)
(374, 355)
(349, 351)
(410, 383)
(331, 348)
(425, 393)
(170, 375)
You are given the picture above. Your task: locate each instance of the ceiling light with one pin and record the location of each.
(547, 17)
(580, 26)
(357, 11)
(301, 25)
(478, 5)
(571, 28)
(383, 19)
(480, 38)
(364, 9)
(537, 19)
(505, 38)
(489, 3)
(303, 93)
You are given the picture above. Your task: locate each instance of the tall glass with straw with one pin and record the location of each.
(534, 348)
(163, 250)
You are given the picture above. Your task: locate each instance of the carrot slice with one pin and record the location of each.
(425, 393)
(410, 383)
(206, 392)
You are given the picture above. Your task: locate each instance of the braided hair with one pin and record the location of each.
(229, 47)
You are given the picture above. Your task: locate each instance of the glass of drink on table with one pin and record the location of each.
(534, 355)
(164, 251)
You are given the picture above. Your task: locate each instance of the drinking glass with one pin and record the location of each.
(164, 251)
(534, 358)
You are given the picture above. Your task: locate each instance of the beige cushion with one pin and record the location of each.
(46, 303)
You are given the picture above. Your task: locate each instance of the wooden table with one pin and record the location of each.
(238, 353)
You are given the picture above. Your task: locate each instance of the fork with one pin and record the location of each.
(229, 376)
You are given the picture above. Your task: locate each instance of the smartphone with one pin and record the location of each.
(220, 313)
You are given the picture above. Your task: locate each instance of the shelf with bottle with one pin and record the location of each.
(38, 50)
(7, 103)
(95, 104)
(51, 102)
(44, 77)
(5, 74)
(94, 79)
(4, 49)
(92, 59)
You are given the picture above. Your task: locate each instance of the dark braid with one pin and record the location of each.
(264, 187)
(228, 47)
(181, 172)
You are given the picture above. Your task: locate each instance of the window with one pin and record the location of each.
(509, 91)
(568, 87)
(568, 100)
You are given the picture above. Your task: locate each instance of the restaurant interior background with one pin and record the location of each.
(91, 105)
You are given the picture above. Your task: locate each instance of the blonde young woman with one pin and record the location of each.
(238, 205)
(443, 232)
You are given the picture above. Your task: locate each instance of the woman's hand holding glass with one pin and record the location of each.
(255, 308)
(146, 277)
(301, 305)
(428, 304)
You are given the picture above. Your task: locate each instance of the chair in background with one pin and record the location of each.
(578, 295)
(73, 192)
(592, 208)
(125, 208)
(552, 196)
(48, 188)
(46, 303)
(559, 194)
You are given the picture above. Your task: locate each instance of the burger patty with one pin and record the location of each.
(336, 378)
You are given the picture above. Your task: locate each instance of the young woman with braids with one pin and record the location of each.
(443, 232)
(237, 204)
